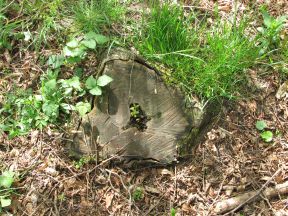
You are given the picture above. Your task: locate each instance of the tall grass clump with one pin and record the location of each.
(206, 60)
(96, 15)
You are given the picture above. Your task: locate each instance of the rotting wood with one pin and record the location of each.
(168, 127)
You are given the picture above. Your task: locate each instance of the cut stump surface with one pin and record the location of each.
(137, 117)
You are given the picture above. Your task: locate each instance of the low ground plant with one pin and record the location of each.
(24, 110)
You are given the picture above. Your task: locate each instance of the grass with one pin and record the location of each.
(208, 61)
(96, 15)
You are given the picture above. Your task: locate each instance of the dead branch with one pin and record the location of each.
(238, 201)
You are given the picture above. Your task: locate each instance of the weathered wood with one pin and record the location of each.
(107, 129)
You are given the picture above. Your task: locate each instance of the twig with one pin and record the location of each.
(218, 208)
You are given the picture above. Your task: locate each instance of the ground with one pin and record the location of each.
(232, 160)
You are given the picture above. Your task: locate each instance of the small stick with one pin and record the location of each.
(235, 203)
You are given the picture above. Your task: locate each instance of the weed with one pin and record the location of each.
(42, 17)
(173, 212)
(95, 15)
(137, 194)
(83, 161)
(6, 180)
(24, 110)
(269, 36)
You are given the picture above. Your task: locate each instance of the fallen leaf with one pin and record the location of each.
(109, 199)
(185, 207)
(152, 190)
(166, 172)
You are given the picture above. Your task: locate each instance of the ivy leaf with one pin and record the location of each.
(7, 179)
(96, 91)
(89, 43)
(267, 136)
(91, 82)
(83, 108)
(73, 43)
(5, 202)
(104, 80)
(261, 125)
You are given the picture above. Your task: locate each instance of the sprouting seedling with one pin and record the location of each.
(267, 135)
(94, 85)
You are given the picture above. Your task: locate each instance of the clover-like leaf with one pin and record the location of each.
(91, 82)
(83, 108)
(267, 136)
(104, 80)
(261, 125)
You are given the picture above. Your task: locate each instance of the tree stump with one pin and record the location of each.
(138, 116)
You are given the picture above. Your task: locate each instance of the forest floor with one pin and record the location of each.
(232, 160)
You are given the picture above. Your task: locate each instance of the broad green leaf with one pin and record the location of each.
(73, 60)
(95, 91)
(50, 85)
(51, 109)
(78, 72)
(67, 51)
(90, 35)
(91, 82)
(104, 80)
(83, 108)
(75, 83)
(261, 125)
(100, 39)
(5, 202)
(267, 136)
(267, 18)
(7, 179)
(55, 61)
(73, 43)
(89, 43)
(66, 106)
